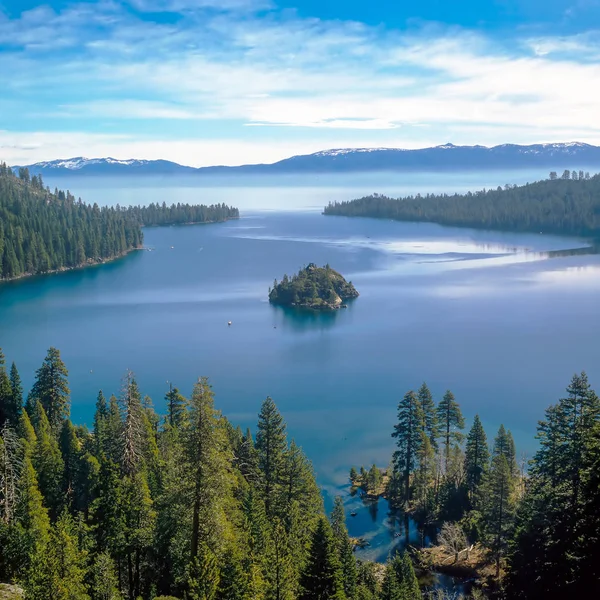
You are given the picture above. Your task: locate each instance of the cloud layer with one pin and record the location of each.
(179, 79)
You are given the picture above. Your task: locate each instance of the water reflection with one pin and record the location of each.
(302, 319)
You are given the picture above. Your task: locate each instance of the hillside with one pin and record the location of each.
(43, 231)
(566, 205)
(313, 287)
(347, 160)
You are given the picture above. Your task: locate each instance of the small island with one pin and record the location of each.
(318, 288)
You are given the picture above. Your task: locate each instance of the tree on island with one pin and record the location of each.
(312, 287)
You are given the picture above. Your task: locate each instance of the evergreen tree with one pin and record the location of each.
(430, 419)
(58, 570)
(7, 408)
(344, 547)
(271, 446)
(408, 438)
(499, 507)
(101, 440)
(322, 575)
(477, 458)
(546, 556)
(505, 445)
(247, 459)
(51, 389)
(424, 478)
(17, 395)
(105, 585)
(207, 460)
(175, 407)
(48, 463)
(450, 421)
(32, 517)
(70, 451)
(203, 575)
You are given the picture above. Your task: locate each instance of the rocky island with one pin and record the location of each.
(319, 288)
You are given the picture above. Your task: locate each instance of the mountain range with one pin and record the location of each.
(347, 160)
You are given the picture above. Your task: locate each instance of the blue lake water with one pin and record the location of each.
(486, 314)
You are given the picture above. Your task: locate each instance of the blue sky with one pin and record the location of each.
(237, 81)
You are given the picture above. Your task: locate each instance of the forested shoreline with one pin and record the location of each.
(566, 205)
(44, 232)
(534, 524)
(188, 505)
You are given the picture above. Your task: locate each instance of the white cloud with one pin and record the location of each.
(237, 70)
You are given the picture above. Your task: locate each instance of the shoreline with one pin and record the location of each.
(105, 261)
(90, 263)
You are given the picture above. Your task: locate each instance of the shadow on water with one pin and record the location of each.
(303, 319)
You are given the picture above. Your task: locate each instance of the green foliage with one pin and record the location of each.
(450, 421)
(400, 581)
(313, 287)
(105, 584)
(270, 445)
(58, 567)
(554, 550)
(51, 389)
(43, 231)
(566, 206)
(48, 462)
(477, 458)
(322, 575)
(408, 433)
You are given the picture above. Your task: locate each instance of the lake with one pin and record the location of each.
(489, 315)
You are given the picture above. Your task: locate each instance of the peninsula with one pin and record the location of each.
(313, 287)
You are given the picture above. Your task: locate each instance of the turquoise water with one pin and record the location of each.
(486, 314)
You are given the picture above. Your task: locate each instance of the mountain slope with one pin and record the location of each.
(346, 160)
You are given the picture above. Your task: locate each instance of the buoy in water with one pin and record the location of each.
(228, 322)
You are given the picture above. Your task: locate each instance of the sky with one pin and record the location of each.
(205, 82)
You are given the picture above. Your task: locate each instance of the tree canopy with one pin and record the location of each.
(565, 205)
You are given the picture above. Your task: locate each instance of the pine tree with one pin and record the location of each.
(17, 395)
(430, 419)
(297, 484)
(247, 459)
(505, 445)
(32, 516)
(138, 528)
(281, 570)
(51, 389)
(344, 548)
(48, 463)
(58, 570)
(105, 584)
(203, 575)
(207, 462)
(546, 557)
(7, 409)
(175, 407)
(424, 477)
(271, 446)
(499, 507)
(408, 438)
(322, 575)
(450, 421)
(477, 458)
(70, 451)
(101, 441)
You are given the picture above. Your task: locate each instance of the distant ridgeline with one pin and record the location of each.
(569, 204)
(43, 231)
(313, 287)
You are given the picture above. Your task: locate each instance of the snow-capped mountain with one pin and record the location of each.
(107, 166)
(555, 156)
